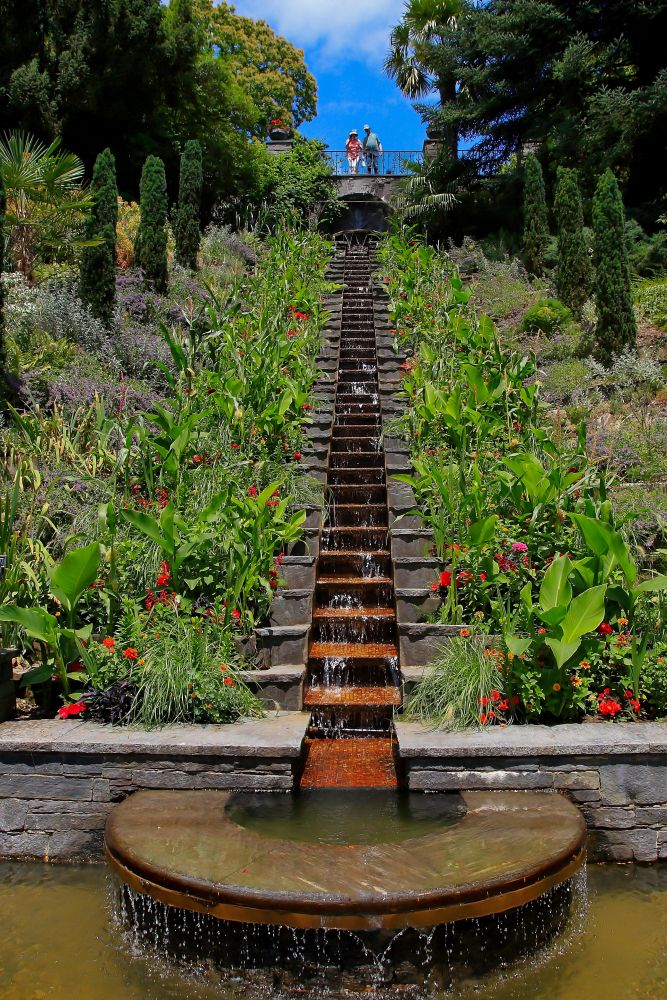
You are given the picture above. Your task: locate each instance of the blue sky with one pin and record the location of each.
(345, 42)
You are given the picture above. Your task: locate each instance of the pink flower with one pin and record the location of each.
(519, 547)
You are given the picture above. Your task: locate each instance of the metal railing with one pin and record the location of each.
(391, 163)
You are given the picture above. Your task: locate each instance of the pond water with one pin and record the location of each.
(61, 939)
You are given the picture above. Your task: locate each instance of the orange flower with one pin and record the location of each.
(464, 633)
(130, 653)
(109, 642)
(556, 687)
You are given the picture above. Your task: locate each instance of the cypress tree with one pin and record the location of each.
(186, 227)
(3, 374)
(98, 276)
(150, 248)
(535, 218)
(573, 276)
(616, 327)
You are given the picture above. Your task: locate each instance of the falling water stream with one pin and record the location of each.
(62, 939)
(353, 676)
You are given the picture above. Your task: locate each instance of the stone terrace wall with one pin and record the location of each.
(616, 774)
(60, 780)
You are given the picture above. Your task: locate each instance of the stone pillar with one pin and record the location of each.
(431, 149)
(279, 141)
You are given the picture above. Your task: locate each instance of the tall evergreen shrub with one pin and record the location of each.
(2, 314)
(98, 276)
(150, 248)
(535, 216)
(186, 226)
(616, 326)
(573, 275)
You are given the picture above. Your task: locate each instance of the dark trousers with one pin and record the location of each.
(372, 161)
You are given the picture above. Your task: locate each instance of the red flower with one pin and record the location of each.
(495, 695)
(604, 629)
(252, 492)
(67, 711)
(197, 459)
(465, 576)
(445, 578)
(165, 575)
(109, 642)
(483, 719)
(228, 682)
(435, 586)
(297, 456)
(235, 446)
(482, 576)
(236, 615)
(130, 653)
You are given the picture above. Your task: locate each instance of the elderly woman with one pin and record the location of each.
(354, 149)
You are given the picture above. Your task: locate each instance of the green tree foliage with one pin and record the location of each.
(535, 217)
(46, 208)
(2, 303)
(421, 59)
(273, 71)
(573, 274)
(584, 82)
(98, 279)
(104, 67)
(616, 326)
(187, 223)
(144, 77)
(150, 248)
(294, 188)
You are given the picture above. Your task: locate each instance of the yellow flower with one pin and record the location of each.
(621, 621)
(141, 662)
(575, 681)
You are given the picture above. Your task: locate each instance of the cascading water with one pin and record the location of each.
(354, 623)
(388, 898)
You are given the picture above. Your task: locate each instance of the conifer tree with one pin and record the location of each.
(535, 218)
(573, 275)
(2, 314)
(616, 327)
(186, 227)
(150, 248)
(98, 276)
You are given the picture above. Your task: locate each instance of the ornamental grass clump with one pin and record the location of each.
(463, 689)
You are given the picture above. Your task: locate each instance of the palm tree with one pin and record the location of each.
(417, 60)
(46, 205)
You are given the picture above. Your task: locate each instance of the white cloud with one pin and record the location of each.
(335, 27)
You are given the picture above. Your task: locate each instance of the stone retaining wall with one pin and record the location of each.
(60, 780)
(616, 774)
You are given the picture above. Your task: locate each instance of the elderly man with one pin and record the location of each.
(372, 150)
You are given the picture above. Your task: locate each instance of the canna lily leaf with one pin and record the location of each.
(556, 590)
(35, 622)
(75, 574)
(584, 615)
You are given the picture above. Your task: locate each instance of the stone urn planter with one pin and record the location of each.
(435, 132)
(7, 688)
(279, 133)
